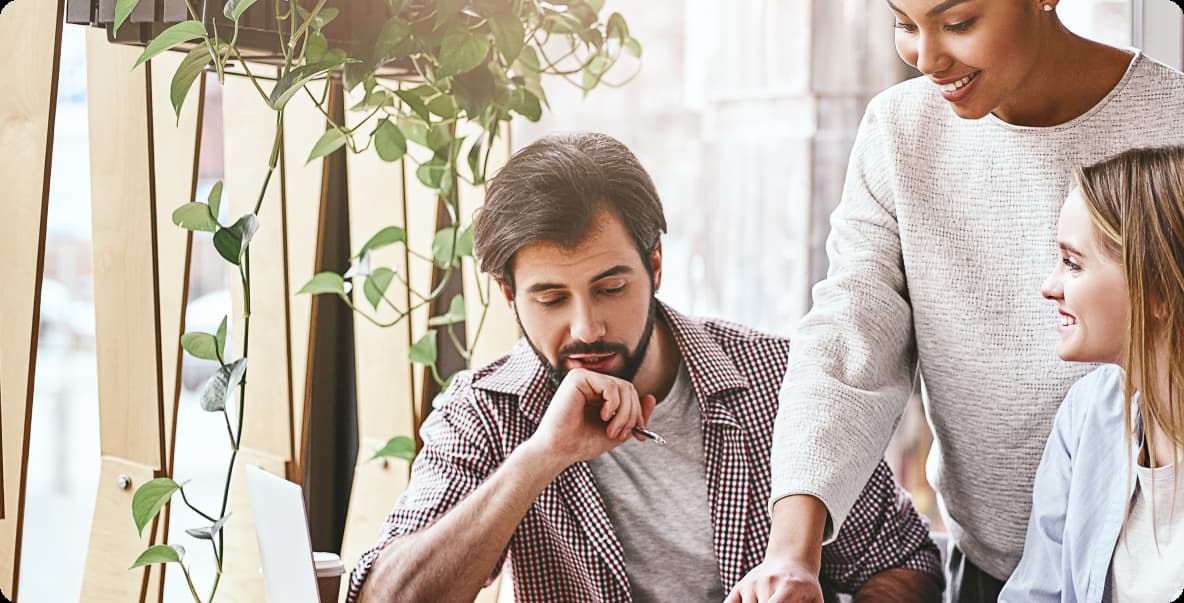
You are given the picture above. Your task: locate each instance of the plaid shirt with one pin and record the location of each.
(566, 548)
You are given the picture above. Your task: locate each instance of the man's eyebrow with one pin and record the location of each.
(615, 270)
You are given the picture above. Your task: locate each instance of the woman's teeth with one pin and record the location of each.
(952, 86)
(1067, 321)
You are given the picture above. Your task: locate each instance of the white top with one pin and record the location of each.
(1148, 563)
(938, 248)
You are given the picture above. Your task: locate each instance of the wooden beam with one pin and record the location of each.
(127, 311)
(32, 32)
(384, 379)
(176, 145)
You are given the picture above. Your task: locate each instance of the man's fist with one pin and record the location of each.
(590, 414)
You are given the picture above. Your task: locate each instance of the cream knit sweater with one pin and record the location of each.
(937, 250)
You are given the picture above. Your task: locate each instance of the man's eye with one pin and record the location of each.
(909, 27)
(550, 301)
(612, 290)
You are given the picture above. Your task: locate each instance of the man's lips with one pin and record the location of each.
(590, 360)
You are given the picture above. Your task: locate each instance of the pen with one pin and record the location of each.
(641, 431)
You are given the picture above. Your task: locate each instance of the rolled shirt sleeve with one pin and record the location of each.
(456, 458)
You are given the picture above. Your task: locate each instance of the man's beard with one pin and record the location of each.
(632, 360)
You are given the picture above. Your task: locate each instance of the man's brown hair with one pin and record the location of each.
(550, 191)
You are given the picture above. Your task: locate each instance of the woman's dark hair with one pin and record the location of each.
(549, 192)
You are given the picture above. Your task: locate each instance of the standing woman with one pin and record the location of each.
(942, 235)
(1108, 505)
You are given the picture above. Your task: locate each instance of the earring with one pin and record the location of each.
(1047, 7)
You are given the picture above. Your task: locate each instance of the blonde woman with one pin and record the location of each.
(1108, 506)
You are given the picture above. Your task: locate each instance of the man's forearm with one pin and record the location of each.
(451, 559)
(899, 585)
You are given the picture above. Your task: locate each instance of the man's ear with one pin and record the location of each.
(656, 265)
(507, 292)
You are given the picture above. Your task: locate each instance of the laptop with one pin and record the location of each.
(285, 549)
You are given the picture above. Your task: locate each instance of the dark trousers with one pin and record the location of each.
(968, 583)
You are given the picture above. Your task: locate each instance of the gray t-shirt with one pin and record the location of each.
(656, 497)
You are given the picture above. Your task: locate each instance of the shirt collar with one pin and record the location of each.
(712, 371)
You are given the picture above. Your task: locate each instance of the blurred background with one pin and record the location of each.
(743, 112)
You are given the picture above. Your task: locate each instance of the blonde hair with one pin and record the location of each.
(1136, 201)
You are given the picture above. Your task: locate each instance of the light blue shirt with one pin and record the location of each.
(1083, 486)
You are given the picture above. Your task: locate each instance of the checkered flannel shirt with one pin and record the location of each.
(566, 548)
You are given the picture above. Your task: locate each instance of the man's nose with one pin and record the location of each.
(586, 324)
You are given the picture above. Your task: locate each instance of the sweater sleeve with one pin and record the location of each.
(853, 360)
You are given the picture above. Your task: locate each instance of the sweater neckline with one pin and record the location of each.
(1136, 59)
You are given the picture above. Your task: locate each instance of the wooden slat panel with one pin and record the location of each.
(113, 541)
(303, 125)
(127, 313)
(500, 330)
(385, 405)
(176, 145)
(31, 31)
(421, 209)
(249, 127)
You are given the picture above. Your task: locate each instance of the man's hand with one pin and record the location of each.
(775, 582)
(591, 414)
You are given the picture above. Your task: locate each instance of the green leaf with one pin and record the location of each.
(324, 282)
(508, 35)
(464, 243)
(219, 388)
(394, 41)
(633, 47)
(387, 236)
(461, 51)
(389, 141)
(474, 161)
(442, 247)
(616, 27)
(181, 32)
(316, 47)
(149, 499)
(161, 553)
(294, 80)
(443, 105)
(474, 91)
(200, 345)
(231, 242)
(415, 130)
(220, 337)
(123, 9)
(527, 105)
(415, 103)
(195, 216)
(377, 284)
(330, 141)
(424, 350)
(209, 532)
(323, 18)
(191, 66)
(399, 447)
(438, 137)
(432, 173)
(234, 9)
(456, 313)
(215, 200)
(596, 5)
(446, 10)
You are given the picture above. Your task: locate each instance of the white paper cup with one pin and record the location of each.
(329, 571)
